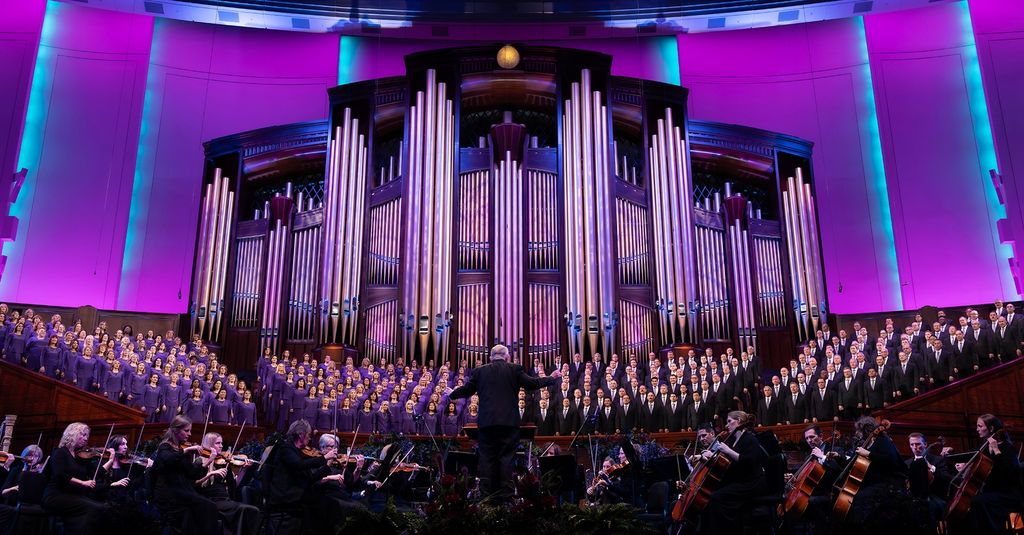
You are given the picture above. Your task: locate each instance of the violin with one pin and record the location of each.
(93, 453)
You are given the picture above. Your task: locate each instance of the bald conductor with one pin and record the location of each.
(497, 384)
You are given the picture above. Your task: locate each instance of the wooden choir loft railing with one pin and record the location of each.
(44, 407)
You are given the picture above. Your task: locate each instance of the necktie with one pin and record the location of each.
(872, 383)
(847, 384)
(794, 399)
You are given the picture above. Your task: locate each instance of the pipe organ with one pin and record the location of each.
(552, 207)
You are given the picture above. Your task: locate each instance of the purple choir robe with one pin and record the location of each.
(365, 421)
(244, 412)
(220, 411)
(194, 410)
(113, 386)
(151, 401)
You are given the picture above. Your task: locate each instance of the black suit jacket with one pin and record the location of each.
(822, 408)
(547, 425)
(768, 412)
(567, 423)
(794, 413)
(607, 424)
(498, 383)
(874, 398)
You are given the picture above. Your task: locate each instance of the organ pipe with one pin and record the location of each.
(474, 304)
(270, 332)
(248, 268)
(543, 323)
(804, 261)
(508, 253)
(212, 257)
(344, 194)
(474, 221)
(426, 257)
(671, 198)
(589, 257)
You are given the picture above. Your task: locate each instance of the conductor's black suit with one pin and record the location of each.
(497, 384)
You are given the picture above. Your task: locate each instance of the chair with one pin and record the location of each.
(285, 514)
(655, 513)
(36, 518)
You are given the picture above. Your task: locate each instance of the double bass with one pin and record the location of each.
(855, 473)
(703, 480)
(802, 486)
(971, 480)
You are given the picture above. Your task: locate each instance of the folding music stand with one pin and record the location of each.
(565, 469)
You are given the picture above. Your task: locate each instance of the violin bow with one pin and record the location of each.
(353, 445)
(238, 439)
(99, 463)
(137, 445)
(207, 424)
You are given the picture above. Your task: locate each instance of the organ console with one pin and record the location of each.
(551, 207)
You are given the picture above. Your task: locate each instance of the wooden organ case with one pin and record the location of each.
(550, 207)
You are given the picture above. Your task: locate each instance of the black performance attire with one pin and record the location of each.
(498, 383)
(174, 476)
(287, 477)
(238, 517)
(883, 491)
(743, 481)
(71, 502)
(1001, 494)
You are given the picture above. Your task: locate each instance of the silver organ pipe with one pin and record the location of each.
(543, 323)
(804, 263)
(426, 258)
(589, 265)
(636, 329)
(631, 223)
(303, 288)
(248, 267)
(270, 326)
(508, 253)
(385, 230)
(474, 221)
(473, 302)
(212, 257)
(380, 331)
(543, 241)
(711, 257)
(742, 287)
(671, 198)
(771, 294)
(344, 194)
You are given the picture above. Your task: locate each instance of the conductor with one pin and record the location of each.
(497, 384)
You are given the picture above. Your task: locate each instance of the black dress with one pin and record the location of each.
(743, 481)
(174, 475)
(1001, 494)
(71, 502)
(239, 517)
(883, 498)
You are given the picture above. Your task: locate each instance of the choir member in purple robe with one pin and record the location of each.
(53, 359)
(34, 350)
(173, 395)
(297, 401)
(113, 383)
(194, 408)
(324, 416)
(382, 419)
(137, 385)
(151, 398)
(450, 422)
(430, 419)
(472, 413)
(346, 416)
(310, 405)
(245, 410)
(220, 409)
(406, 422)
(365, 417)
(14, 345)
(86, 371)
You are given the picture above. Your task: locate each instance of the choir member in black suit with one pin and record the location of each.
(848, 395)
(497, 384)
(794, 406)
(652, 417)
(1002, 493)
(873, 391)
(743, 480)
(607, 418)
(699, 412)
(566, 419)
(70, 481)
(675, 414)
(587, 415)
(628, 417)
(768, 407)
(937, 364)
(822, 404)
(174, 474)
(905, 378)
(545, 419)
(980, 340)
(1006, 340)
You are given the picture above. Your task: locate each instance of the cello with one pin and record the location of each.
(804, 482)
(703, 480)
(855, 473)
(971, 480)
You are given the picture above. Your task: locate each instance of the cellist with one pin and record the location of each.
(1001, 493)
(819, 505)
(884, 482)
(743, 480)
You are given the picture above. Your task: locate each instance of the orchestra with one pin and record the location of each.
(310, 482)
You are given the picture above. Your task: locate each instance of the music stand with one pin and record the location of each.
(471, 431)
(564, 467)
(457, 460)
(668, 468)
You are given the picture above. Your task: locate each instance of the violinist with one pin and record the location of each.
(219, 486)
(288, 473)
(174, 473)
(113, 477)
(70, 483)
(928, 475)
(743, 481)
(607, 487)
(24, 482)
(1001, 493)
(337, 486)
